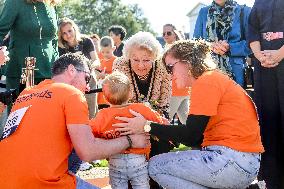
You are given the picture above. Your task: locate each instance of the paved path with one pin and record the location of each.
(97, 176)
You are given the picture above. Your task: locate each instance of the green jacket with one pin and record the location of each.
(33, 30)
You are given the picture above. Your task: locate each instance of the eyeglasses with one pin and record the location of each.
(87, 76)
(168, 33)
(170, 67)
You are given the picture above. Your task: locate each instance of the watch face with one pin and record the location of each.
(147, 128)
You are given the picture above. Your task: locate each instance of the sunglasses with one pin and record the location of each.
(169, 33)
(87, 76)
(170, 67)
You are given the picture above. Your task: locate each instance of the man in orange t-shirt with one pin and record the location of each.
(45, 123)
(107, 58)
(131, 164)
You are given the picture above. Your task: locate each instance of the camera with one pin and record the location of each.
(8, 96)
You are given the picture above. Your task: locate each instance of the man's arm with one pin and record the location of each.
(90, 148)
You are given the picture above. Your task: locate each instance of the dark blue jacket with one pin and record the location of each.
(266, 16)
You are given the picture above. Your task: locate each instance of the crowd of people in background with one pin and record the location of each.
(132, 101)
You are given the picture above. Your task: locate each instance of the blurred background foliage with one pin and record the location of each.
(96, 16)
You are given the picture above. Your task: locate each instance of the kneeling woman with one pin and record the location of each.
(222, 116)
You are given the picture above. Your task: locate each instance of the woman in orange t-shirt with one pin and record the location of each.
(221, 115)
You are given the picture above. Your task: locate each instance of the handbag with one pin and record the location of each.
(248, 77)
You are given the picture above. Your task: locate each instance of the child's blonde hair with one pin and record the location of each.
(116, 87)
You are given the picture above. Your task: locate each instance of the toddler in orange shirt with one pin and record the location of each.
(131, 164)
(107, 58)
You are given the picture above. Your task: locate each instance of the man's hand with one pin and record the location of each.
(140, 140)
(130, 126)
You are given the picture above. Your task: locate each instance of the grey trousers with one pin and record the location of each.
(179, 105)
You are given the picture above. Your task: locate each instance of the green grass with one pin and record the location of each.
(181, 148)
(103, 163)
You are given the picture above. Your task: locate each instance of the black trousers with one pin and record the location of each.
(269, 98)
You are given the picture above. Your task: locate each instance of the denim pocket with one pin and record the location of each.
(223, 177)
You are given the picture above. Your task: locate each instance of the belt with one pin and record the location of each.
(269, 36)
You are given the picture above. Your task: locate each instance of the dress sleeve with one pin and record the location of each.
(253, 25)
(8, 17)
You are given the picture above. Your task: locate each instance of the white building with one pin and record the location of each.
(192, 15)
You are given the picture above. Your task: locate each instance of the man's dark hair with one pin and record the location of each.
(117, 29)
(61, 64)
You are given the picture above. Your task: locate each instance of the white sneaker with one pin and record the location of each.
(85, 166)
(261, 184)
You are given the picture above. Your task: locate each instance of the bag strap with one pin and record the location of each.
(243, 36)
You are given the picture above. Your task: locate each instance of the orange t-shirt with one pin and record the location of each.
(107, 66)
(179, 92)
(233, 118)
(105, 118)
(36, 154)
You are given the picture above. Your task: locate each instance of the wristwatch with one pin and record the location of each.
(147, 127)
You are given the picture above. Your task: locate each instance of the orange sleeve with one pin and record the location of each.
(205, 98)
(96, 122)
(76, 109)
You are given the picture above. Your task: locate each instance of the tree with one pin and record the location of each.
(96, 16)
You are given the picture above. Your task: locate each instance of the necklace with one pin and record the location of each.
(140, 97)
(143, 77)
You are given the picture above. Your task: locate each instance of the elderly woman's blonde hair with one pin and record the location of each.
(63, 22)
(51, 2)
(142, 40)
(116, 88)
(194, 52)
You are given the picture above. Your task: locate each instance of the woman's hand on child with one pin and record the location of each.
(130, 126)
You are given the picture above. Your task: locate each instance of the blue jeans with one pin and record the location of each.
(128, 167)
(81, 184)
(212, 167)
(74, 162)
